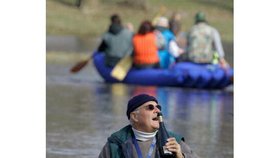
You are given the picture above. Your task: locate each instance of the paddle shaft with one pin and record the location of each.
(80, 65)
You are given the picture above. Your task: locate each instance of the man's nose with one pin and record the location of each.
(157, 109)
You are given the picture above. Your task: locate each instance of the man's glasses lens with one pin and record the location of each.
(152, 107)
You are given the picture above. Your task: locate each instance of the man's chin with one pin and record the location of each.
(156, 127)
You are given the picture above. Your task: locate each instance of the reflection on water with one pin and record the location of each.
(82, 112)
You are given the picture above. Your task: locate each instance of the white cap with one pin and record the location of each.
(162, 21)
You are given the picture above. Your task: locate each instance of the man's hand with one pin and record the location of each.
(224, 63)
(174, 147)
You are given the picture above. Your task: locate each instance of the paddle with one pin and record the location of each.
(80, 65)
(121, 69)
(159, 14)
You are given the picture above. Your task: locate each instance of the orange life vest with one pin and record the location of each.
(145, 49)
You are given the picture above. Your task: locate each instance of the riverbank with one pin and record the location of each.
(65, 19)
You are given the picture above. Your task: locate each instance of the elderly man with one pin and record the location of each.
(139, 138)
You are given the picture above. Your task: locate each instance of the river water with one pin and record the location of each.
(82, 111)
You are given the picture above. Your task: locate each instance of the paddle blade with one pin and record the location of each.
(80, 65)
(120, 71)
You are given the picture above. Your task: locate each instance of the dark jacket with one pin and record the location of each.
(120, 145)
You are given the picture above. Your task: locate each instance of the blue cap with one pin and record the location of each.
(137, 101)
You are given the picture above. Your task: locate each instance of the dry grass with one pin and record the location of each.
(65, 19)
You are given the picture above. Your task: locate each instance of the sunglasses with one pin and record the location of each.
(151, 107)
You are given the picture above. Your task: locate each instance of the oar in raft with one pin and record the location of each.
(121, 69)
(80, 65)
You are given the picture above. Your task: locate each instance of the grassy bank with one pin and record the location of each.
(63, 18)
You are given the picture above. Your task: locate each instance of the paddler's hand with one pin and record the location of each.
(224, 64)
(174, 147)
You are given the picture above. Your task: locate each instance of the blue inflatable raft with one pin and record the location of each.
(185, 74)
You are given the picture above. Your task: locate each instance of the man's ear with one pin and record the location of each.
(134, 116)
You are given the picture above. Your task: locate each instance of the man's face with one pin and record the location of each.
(146, 117)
